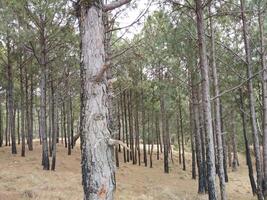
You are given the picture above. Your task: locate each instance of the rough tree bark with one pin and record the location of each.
(22, 113)
(248, 157)
(264, 95)
(10, 86)
(256, 143)
(178, 139)
(200, 162)
(1, 126)
(136, 128)
(164, 127)
(182, 132)
(206, 100)
(234, 145)
(218, 130)
(98, 175)
(45, 155)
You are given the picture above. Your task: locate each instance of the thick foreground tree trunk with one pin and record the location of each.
(98, 174)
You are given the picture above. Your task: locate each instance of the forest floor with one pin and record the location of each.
(24, 179)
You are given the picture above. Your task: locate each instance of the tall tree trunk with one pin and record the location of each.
(126, 125)
(158, 135)
(123, 125)
(218, 126)
(64, 125)
(97, 163)
(22, 107)
(235, 156)
(224, 145)
(264, 95)
(43, 129)
(137, 132)
(54, 127)
(10, 86)
(178, 139)
(69, 127)
(118, 149)
(143, 127)
(130, 118)
(248, 157)
(31, 111)
(72, 123)
(192, 138)
(6, 128)
(206, 100)
(1, 126)
(50, 113)
(164, 127)
(182, 132)
(27, 116)
(200, 160)
(18, 126)
(252, 104)
(68, 113)
(152, 139)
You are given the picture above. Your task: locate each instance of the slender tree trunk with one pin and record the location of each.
(18, 126)
(130, 118)
(64, 125)
(224, 146)
(43, 129)
(235, 156)
(137, 132)
(126, 125)
(200, 162)
(192, 138)
(143, 127)
(264, 95)
(252, 104)
(164, 127)
(6, 128)
(10, 98)
(152, 140)
(54, 127)
(71, 124)
(229, 151)
(218, 126)
(178, 139)
(248, 157)
(31, 112)
(158, 135)
(22, 113)
(68, 113)
(27, 116)
(123, 126)
(182, 132)
(1, 126)
(50, 113)
(118, 149)
(69, 127)
(206, 100)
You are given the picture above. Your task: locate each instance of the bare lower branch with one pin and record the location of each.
(236, 87)
(115, 4)
(113, 142)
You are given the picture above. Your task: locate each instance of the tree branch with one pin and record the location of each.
(115, 4)
(236, 87)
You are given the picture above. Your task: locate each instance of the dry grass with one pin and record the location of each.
(24, 179)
